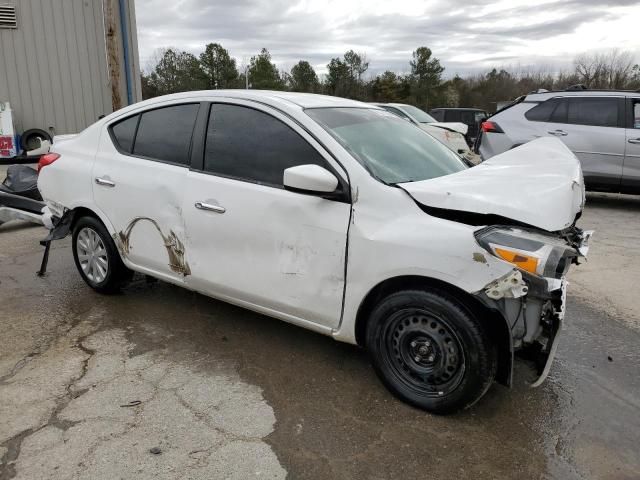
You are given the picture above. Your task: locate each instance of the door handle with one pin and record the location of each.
(558, 133)
(104, 182)
(210, 208)
(634, 140)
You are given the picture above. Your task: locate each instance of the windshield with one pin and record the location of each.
(417, 114)
(393, 150)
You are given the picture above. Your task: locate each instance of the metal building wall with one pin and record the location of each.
(53, 67)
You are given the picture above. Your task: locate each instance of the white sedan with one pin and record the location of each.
(452, 134)
(336, 216)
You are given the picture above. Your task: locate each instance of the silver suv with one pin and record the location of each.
(601, 127)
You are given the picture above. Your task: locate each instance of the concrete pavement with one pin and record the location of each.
(91, 384)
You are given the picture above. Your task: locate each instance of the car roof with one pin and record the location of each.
(303, 100)
(540, 96)
(281, 100)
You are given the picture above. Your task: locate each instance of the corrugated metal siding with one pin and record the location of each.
(53, 67)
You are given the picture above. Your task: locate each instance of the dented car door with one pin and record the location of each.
(138, 182)
(251, 241)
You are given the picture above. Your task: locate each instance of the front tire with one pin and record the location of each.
(97, 257)
(430, 350)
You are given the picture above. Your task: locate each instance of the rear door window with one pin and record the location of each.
(165, 133)
(594, 111)
(247, 144)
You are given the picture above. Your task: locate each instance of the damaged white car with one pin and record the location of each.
(335, 216)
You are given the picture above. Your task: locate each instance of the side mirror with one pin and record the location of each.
(310, 179)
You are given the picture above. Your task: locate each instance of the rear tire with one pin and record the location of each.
(430, 350)
(97, 257)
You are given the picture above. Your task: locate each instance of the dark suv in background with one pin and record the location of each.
(601, 127)
(472, 117)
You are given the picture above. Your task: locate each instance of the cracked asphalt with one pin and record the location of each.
(90, 385)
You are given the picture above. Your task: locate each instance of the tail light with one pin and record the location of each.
(47, 159)
(491, 127)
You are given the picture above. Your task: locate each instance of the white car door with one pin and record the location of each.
(589, 126)
(252, 242)
(139, 179)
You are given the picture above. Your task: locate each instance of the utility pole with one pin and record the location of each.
(113, 57)
(246, 77)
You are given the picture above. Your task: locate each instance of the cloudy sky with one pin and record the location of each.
(468, 36)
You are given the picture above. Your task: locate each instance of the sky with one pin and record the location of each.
(467, 36)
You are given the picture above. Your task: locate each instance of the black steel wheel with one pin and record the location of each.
(430, 350)
(424, 351)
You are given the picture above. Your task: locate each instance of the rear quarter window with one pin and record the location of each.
(542, 112)
(123, 133)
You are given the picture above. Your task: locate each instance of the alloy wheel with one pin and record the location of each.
(92, 255)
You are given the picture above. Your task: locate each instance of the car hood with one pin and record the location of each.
(539, 184)
(455, 126)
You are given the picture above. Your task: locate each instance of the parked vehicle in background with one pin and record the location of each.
(471, 117)
(259, 198)
(601, 127)
(19, 196)
(452, 134)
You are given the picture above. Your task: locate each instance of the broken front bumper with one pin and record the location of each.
(534, 310)
(552, 340)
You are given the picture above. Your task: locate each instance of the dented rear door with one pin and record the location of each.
(139, 181)
(249, 239)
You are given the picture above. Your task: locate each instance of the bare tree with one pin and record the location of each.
(614, 69)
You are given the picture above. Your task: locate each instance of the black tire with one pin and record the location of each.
(28, 139)
(430, 350)
(115, 273)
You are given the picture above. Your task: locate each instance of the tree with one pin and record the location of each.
(344, 77)
(357, 64)
(427, 73)
(176, 72)
(303, 78)
(613, 69)
(263, 74)
(337, 78)
(385, 88)
(148, 89)
(218, 67)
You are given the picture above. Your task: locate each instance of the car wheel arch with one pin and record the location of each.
(498, 327)
(80, 211)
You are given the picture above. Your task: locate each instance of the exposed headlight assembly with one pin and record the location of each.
(536, 253)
